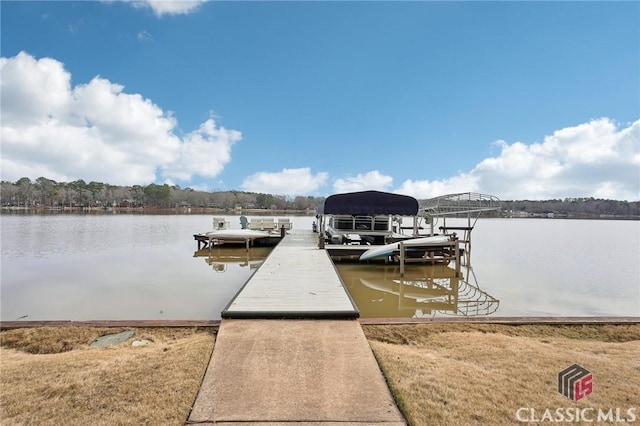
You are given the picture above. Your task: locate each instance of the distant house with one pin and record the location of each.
(518, 214)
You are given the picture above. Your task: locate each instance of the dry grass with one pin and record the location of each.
(440, 374)
(459, 374)
(51, 377)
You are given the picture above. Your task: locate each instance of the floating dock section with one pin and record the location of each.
(297, 280)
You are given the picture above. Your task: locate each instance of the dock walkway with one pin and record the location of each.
(290, 350)
(297, 280)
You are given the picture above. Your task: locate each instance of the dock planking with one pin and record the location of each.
(297, 280)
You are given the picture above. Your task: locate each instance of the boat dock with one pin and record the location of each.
(297, 280)
(204, 241)
(320, 370)
(276, 230)
(270, 367)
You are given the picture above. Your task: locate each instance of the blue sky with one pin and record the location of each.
(516, 99)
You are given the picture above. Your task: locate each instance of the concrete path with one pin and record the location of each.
(293, 371)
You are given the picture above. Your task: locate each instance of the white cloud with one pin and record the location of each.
(594, 159)
(144, 36)
(422, 189)
(373, 180)
(206, 150)
(96, 131)
(287, 182)
(168, 7)
(591, 159)
(32, 89)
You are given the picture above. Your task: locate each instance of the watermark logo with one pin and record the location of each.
(575, 382)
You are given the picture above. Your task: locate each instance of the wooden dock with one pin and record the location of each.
(298, 280)
(204, 242)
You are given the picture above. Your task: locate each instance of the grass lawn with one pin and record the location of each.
(440, 374)
(50, 376)
(462, 374)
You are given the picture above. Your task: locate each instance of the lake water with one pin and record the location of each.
(130, 266)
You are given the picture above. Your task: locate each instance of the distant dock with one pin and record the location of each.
(275, 229)
(204, 241)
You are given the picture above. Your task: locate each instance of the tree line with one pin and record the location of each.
(574, 207)
(47, 193)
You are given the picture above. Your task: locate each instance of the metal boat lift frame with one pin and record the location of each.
(465, 204)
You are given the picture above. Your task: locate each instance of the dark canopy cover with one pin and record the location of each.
(369, 203)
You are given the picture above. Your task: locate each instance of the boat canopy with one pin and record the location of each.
(369, 203)
(459, 204)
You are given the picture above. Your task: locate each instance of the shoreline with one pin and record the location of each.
(9, 325)
(156, 210)
(262, 212)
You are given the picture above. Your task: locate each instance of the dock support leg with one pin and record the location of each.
(401, 259)
(320, 233)
(456, 248)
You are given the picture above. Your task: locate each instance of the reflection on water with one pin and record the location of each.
(116, 267)
(220, 257)
(379, 291)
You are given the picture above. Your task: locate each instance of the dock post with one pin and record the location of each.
(247, 243)
(401, 259)
(320, 233)
(456, 247)
(468, 251)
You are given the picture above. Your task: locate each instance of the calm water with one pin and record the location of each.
(518, 267)
(118, 266)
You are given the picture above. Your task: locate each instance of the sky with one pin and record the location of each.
(520, 100)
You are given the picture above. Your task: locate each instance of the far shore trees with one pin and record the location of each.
(46, 193)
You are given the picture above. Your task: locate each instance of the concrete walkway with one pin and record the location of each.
(293, 371)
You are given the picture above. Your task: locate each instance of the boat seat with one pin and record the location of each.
(244, 223)
(219, 223)
(268, 224)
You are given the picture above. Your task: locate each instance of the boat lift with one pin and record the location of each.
(469, 205)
